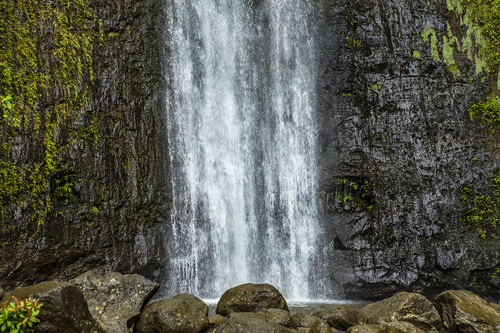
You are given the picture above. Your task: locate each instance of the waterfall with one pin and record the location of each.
(241, 129)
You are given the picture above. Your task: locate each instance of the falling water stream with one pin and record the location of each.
(241, 129)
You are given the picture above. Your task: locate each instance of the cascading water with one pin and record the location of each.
(241, 129)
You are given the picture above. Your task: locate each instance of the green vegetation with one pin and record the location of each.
(19, 316)
(42, 92)
(377, 85)
(352, 42)
(356, 193)
(488, 110)
(481, 209)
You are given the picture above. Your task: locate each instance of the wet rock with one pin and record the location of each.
(183, 313)
(277, 316)
(1, 293)
(115, 300)
(64, 308)
(251, 298)
(370, 328)
(463, 311)
(340, 317)
(304, 320)
(249, 322)
(214, 320)
(321, 327)
(403, 306)
(402, 327)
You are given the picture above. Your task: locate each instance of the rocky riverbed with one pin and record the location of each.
(116, 303)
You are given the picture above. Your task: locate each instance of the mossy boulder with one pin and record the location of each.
(369, 328)
(184, 313)
(463, 311)
(64, 308)
(251, 298)
(321, 327)
(340, 317)
(403, 306)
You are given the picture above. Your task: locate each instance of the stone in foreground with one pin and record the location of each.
(183, 313)
(251, 298)
(115, 300)
(371, 328)
(463, 311)
(304, 320)
(243, 322)
(64, 308)
(340, 317)
(403, 306)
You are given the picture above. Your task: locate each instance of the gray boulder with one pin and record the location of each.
(463, 311)
(115, 300)
(242, 322)
(340, 317)
(403, 306)
(64, 308)
(183, 313)
(251, 298)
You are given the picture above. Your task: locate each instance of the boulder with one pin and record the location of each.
(321, 327)
(249, 322)
(463, 311)
(370, 328)
(115, 300)
(304, 320)
(251, 298)
(214, 320)
(403, 306)
(402, 327)
(1, 293)
(183, 313)
(64, 308)
(277, 316)
(340, 317)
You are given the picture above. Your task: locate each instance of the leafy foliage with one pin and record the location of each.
(19, 316)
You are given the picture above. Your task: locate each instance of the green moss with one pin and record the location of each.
(416, 54)
(377, 85)
(433, 39)
(488, 110)
(352, 42)
(481, 213)
(47, 89)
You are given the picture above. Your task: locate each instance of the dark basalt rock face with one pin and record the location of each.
(395, 119)
(391, 120)
(120, 195)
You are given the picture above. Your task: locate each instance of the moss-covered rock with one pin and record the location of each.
(340, 317)
(463, 311)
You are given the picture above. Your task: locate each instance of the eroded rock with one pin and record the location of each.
(304, 320)
(251, 298)
(370, 328)
(463, 311)
(183, 313)
(64, 308)
(115, 300)
(403, 306)
(321, 327)
(277, 316)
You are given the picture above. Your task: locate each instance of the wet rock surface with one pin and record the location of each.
(463, 311)
(64, 308)
(304, 320)
(115, 300)
(251, 298)
(340, 317)
(249, 322)
(398, 120)
(411, 307)
(184, 313)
